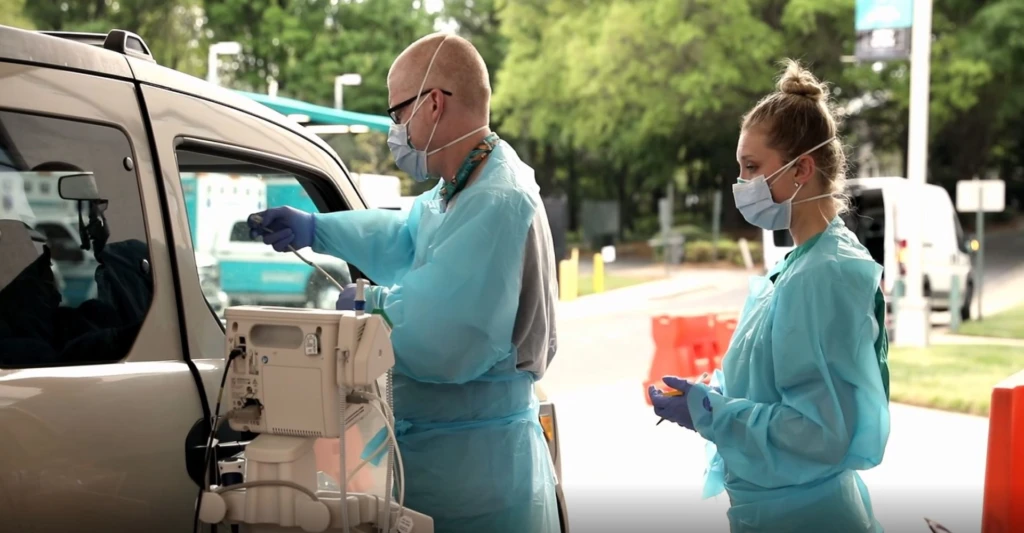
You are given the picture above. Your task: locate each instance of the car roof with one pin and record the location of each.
(886, 182)
(86, 53)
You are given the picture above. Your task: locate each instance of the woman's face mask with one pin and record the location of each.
(754, 198)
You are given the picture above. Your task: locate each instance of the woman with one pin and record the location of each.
(803, 400)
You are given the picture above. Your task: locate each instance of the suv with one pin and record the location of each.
(104, 404)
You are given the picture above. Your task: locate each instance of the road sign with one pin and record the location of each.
(884, 14)
(980, 196)
(883, 29)
(986, 196)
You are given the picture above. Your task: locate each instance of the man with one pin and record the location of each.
(467, 277)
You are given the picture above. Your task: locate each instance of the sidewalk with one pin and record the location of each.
(637, 298)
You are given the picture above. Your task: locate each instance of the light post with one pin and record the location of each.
(341, 81)
(913, 321)
(223, 48)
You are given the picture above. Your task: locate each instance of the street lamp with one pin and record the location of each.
(223, 48)
(340, 81)
(913, 318)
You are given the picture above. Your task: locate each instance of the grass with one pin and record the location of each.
(1005, 325)
(951, 377)
(611, 282)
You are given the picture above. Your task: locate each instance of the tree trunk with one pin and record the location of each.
(625, 212)
(572, 190)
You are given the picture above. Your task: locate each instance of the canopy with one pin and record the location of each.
(320, 115)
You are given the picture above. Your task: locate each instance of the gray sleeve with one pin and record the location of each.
(535, 335)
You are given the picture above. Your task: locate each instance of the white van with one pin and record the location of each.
(875, 217)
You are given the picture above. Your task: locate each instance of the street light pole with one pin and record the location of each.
(913, 322)
(218, 49)
(341, 81)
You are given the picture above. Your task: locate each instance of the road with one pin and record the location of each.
(620, 471)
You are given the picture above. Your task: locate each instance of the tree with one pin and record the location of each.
(12, 14)
(304, 44)
(171, 28)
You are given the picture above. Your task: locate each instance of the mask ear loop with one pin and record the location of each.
(419, 94)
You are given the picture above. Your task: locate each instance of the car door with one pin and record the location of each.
(197, 136)
(95, 397)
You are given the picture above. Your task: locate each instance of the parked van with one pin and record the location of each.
(876, 218)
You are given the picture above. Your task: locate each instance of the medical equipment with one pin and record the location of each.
(297, 375)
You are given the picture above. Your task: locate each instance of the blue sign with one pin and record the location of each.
(884, 14)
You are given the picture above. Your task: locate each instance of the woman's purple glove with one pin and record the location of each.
(675, 408)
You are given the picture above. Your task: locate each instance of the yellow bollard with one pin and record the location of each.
(598, 278)
(568, 281)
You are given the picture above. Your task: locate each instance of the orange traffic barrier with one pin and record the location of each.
(1003, 508)
(328, 460)
(687, 346)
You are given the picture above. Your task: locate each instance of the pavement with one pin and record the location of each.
(620, 471)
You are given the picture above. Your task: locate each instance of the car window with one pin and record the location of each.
(240, 233)
(961, 238)
(782, 238)
(75, 280)
(220, 194)
(53, 232)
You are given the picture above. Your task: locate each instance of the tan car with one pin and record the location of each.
(102, 403)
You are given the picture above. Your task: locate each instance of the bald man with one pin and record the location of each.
(467, 278)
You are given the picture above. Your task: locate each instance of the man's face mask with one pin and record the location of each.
(755, 203)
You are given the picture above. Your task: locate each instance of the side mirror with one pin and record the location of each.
(79, 187)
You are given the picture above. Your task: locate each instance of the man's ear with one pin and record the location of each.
(437, 103)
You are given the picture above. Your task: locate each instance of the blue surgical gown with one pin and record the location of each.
(470, 289)
(804, 400)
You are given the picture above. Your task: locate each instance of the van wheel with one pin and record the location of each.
(965, 309)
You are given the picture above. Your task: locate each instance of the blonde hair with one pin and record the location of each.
(798, 116)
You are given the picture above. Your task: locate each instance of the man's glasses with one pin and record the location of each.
(393, 111)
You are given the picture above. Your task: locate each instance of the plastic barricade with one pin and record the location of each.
(684, 346)
(1003, 508)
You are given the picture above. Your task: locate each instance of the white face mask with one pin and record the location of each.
(409, 159)
(755, 203)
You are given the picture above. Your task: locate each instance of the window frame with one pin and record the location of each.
(313, 180)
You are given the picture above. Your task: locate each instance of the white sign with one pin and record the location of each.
(608, 254)
(987, 196)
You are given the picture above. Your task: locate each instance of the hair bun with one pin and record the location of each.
(799, 81)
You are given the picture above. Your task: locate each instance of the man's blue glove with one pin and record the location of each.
(347, 299)
(281, 227)
(674, 408)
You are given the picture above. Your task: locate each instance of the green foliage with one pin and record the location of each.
(171, 28)
(699, 252)
(703, 251)
(12, 13)
(305, 44)
(611, 99)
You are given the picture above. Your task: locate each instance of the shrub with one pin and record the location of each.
(699, 252)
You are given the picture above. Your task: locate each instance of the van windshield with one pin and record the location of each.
(866, 219)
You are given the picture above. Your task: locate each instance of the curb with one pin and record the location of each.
(946, 339)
